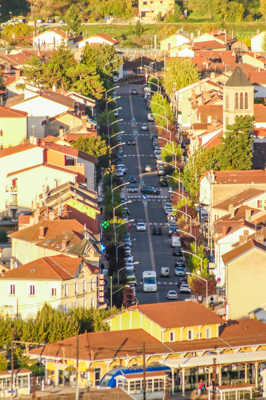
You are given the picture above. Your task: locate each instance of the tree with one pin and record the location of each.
(171, 152)
(161, 110)
(3, 363)
(94, 146)
(55, 70)
(3, 236)
(202, 160)
(85, 80)
(73, 21)
(179, 74)
(236, 152)
(34, 71)
(263, 8)
(47, 8)
(139, 30)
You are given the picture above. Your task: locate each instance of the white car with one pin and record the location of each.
(144, 127)
(172, 295)
(141, 226)
(184, 288)
(150, 117)
(165, 271)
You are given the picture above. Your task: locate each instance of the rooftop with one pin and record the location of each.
(178, 314)
(238, 79)
(254, 176)
(6, 112)
(239, 199)
(238, 251)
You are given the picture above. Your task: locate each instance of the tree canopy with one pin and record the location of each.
(94, 146)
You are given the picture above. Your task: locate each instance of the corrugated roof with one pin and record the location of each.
(238, 79)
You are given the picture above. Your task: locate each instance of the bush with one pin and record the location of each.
(3, 236)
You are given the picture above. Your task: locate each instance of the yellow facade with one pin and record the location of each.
(136, 320)
(13, 131)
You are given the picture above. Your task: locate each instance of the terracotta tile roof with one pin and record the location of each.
(215, 141)
(208, 45)
(239, 177)
(210, 110)
(9, 79)
(58, 98)
(257, 77)
(52, 268)
(260, 132)
(16, 149)
(94, 345)
(240, 214)
(178, 314)
(239, 199)
(6, 112)
(55, 30)
(69, 150)
(103, 345)
(238, 251)
(13, 101)
(259, 113)
(69, 171)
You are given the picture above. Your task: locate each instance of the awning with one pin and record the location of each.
(204, 361)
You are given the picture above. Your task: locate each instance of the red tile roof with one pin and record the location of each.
(259, 113)
(208, 45)
(16, 149)
(239, 199)
(53, 268)
(106, 37)
(257, 77)
(6, 112)
(240, 177)
(178, 314)
(215, 141)
(238, 251)
(260, 132)
(69, 150)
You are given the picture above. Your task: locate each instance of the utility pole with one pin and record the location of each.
(144, 370)
(214, 379)
(77, 368)
(12, 359)
(111, 291)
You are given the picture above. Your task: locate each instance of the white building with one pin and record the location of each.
(51, 39)
(257, 42)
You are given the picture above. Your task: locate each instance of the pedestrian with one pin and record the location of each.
(200, 386)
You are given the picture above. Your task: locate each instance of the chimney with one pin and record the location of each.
(61, 131)
(64, 244)
(259, 236)
(42, 232)
(231, 210)
(248, 214)
(224, 230)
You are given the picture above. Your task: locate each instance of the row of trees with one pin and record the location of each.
(89, 77)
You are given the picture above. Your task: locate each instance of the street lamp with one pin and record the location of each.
(187, 215)
(117, 133)
(177, 179)
(172, 152)
(202, 279)
(190, 234)
(122, 184)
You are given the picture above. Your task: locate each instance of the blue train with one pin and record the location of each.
(118, 376)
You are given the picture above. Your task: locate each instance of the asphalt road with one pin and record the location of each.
(152, 252)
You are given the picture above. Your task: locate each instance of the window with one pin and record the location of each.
(84, 285)
(69, 160)
(172, 336)
(241, 101)
(12, 289)
(65, 289)
(190, 335)
(97, 376)
(53, 292)
(207, 333)
(236, 101)
(32, 290)
(23, 381)
(246, 101)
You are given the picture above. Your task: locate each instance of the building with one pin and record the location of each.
(21, 383)
(238, 97)
(61, 281)
(174, 42)
(257, 42)
(51, 39)
(54, 236)
(150, 9)
(48, 165)
(185, 336)
(245, 277)
(13, 127)
(97, 38)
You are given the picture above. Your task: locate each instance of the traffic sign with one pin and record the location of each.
(102, 248)
(105, 224)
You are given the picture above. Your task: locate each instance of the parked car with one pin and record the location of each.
(141, 226)
(131, 141)
(148, 189)
(160, 170)
(177, 251)
(172, 295)
(180, 262)
(132, 179)
(172, 228)
(150, 117)
(123, 167)
(134, 91)
(184, 288)
(179, 271)
(163, 181)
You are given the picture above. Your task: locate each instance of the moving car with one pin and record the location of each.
(172, 294)
(156, 230)
(141, 226)
(148, 189)
(134, 91)
(180, 262)
(132, 179)
(165, 271)
(131, 140)
(144, 127)
(147, 168)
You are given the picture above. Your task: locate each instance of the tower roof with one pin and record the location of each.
(238, 79)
